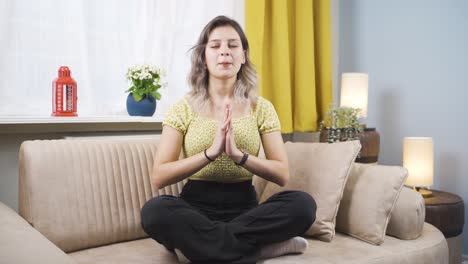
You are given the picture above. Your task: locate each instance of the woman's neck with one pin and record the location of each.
(221, 91)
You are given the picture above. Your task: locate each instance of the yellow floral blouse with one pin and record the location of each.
(199, 133)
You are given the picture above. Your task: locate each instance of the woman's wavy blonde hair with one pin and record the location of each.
(246, 85)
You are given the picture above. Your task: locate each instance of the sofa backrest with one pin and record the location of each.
(87, 193)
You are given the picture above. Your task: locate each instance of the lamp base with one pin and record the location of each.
(424, 192)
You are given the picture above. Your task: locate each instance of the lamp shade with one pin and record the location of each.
(354, 89)
(418, 159)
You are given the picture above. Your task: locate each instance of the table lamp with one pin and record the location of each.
(418, 159)
(354, 93)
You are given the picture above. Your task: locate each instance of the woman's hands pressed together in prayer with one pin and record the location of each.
(224, 140)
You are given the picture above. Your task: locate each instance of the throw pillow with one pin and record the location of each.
(320, 169)
(368, 199)
(407, 218)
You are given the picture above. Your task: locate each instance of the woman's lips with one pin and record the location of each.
(225, 65)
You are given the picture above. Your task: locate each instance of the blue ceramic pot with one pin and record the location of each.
(145, 107)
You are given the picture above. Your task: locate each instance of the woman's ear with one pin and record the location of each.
(243, 56)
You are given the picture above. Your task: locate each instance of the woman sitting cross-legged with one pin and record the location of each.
(219, 126)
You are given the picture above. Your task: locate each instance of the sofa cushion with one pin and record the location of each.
(320, 169)
(430, 248)
(407, 218)
(142, 251)
(368, 199)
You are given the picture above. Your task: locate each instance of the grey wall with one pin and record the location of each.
(416, 54)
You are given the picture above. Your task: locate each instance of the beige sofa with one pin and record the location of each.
(80, 202)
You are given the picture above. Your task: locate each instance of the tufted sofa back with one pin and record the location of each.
(88, 193)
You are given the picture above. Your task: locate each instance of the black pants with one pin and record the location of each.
(216, 222)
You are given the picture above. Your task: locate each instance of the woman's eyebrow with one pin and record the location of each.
(230, 40)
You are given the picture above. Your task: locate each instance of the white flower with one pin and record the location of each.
(152, 75)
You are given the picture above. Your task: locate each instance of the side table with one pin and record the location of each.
(446, 211)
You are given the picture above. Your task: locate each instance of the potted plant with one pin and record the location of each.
(340, 124)
(146, 81)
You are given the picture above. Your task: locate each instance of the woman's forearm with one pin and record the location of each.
(270, 170)
(172, 172)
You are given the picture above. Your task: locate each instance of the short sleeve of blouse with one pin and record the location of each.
(267, 119)
(178, 116)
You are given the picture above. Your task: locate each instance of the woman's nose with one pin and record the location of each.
(225, 51)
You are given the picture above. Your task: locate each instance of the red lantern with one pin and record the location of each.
(64, 94)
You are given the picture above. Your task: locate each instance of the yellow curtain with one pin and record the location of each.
(291, 48)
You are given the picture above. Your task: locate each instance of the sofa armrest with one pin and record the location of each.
(22, 244)
(407, 218)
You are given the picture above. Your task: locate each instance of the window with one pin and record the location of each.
(98, 41)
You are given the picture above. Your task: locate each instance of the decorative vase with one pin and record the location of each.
(145, 107)
(370, 142)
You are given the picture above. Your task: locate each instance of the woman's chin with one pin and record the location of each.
(225, 75)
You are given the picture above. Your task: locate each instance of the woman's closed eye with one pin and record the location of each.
(230, 46)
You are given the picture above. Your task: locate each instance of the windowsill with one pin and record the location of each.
(48, 124)
(79, 119)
